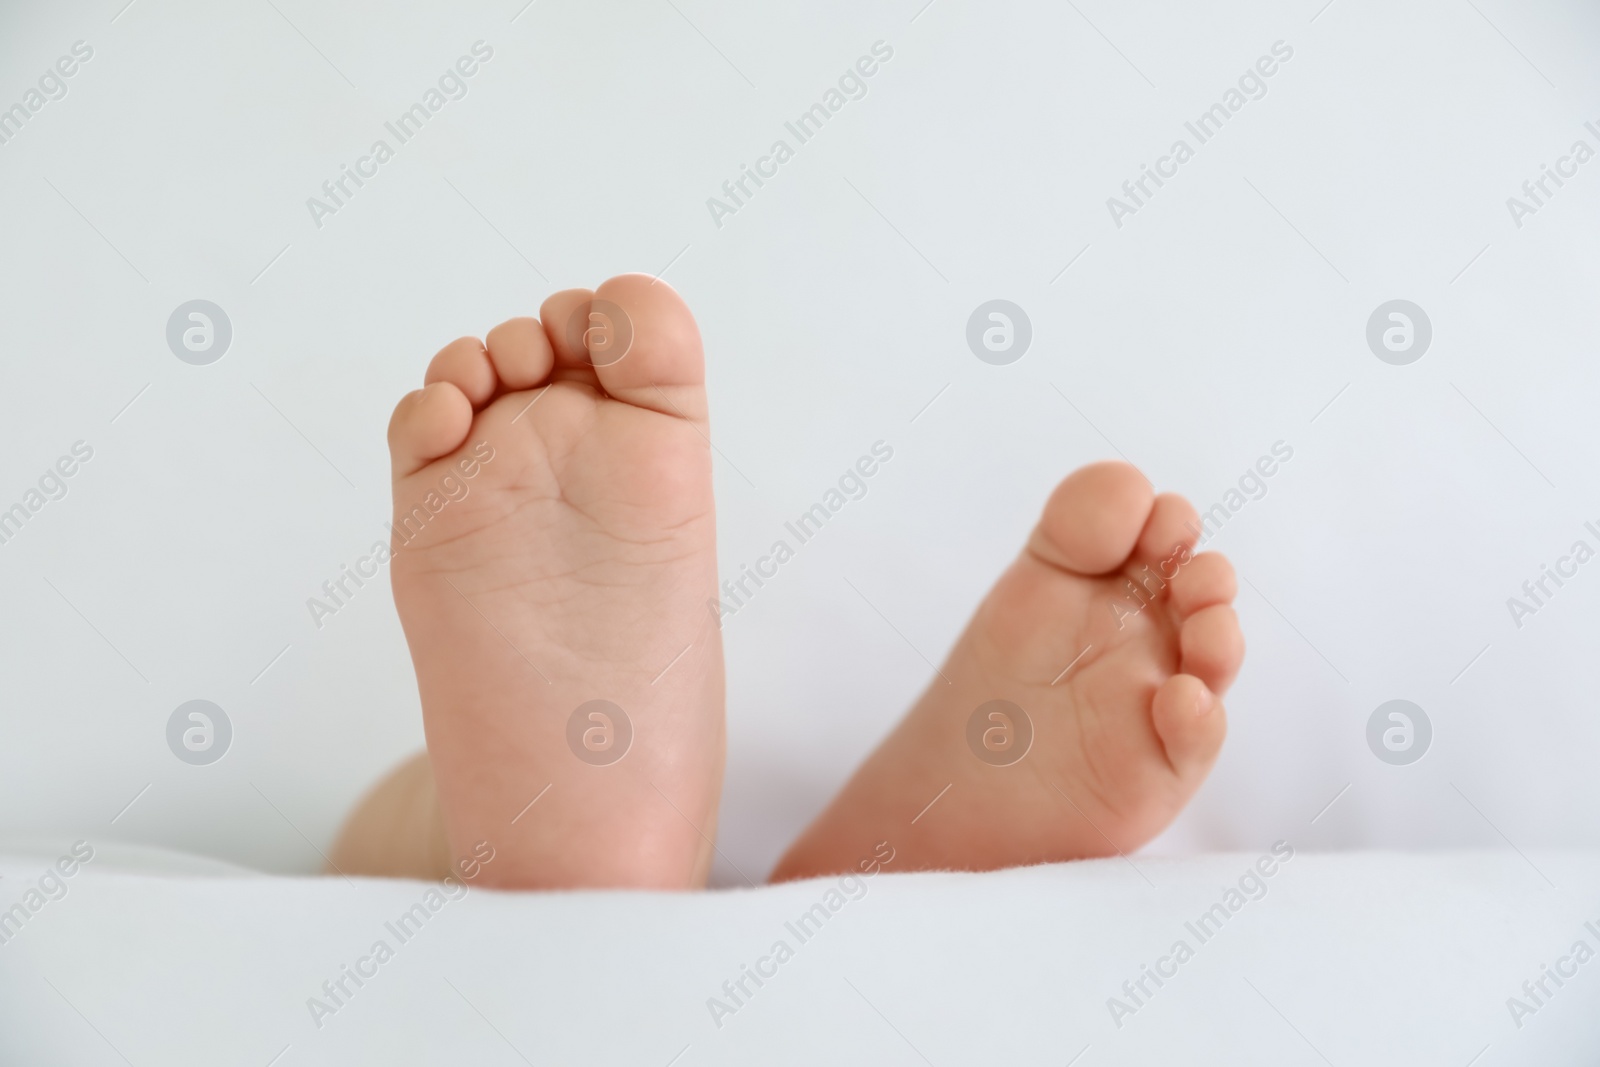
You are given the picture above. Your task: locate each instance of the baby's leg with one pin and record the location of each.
(395, 830)
(1078, 713)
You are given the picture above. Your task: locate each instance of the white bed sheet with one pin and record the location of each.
(1349, 959)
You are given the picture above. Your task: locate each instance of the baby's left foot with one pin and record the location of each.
(1078, 713)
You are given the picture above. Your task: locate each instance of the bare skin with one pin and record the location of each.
(1122, 690)
(578, 564)
(396, 830)
(573, 566)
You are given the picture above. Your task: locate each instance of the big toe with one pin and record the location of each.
(1093, 519)
(643, 343)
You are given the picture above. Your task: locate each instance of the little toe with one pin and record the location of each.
(1191, 723)
(645, 346)
(521, 353)
(464, 364)
(427, 423)
(1212, 646)
(1204, 581)
(1093, 520)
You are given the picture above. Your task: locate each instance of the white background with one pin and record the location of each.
(1223, 317)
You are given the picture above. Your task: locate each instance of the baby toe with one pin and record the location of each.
(1212, 646)
(1168, 531)
(1092, 521)
(646, 347)
(1191, 723)
(564, 317)
(520, 352)
(1204, 581)
(464, 364)
(427, 423)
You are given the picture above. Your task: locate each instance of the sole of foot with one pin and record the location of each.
(554, 549)
(1077, 714)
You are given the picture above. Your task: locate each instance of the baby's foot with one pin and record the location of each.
(1116, 644)
(555, 545)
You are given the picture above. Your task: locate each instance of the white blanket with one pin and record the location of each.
(1351, 959)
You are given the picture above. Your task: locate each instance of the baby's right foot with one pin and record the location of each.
(555, 545)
